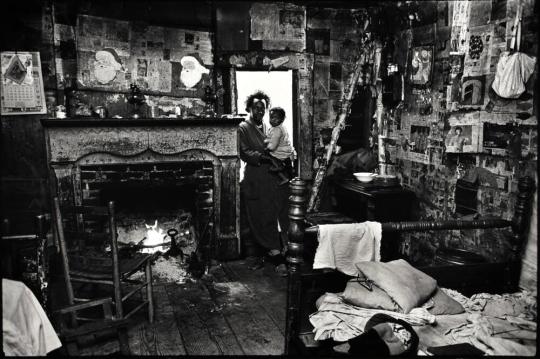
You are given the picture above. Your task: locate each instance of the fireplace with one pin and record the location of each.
(181, 173)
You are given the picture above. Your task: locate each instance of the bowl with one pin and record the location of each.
(364, 177)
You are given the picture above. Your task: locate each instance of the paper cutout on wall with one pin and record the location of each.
(107, 65)
(192, 71)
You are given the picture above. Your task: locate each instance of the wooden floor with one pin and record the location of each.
(233, 311)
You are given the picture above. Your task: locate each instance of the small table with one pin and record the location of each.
(372, 202)
(375, 202)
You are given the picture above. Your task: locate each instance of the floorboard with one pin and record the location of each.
(266, 285)
(231, 311)
(162, 337)
(199, 301)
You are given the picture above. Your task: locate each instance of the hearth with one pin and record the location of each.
(182, 173)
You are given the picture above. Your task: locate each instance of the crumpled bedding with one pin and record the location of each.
(341, 321)
(498, 324)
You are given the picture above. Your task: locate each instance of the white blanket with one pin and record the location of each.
(343, 245)
(26, 329)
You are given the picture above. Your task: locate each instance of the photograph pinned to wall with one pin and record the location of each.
(318, 41)
(335, 77)
(464, 134)
(478, 56)
(458, 138)
(421, 65)
(497, 138)
(22, 84)
(472, 92)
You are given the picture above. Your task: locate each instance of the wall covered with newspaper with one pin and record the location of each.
(454, 131)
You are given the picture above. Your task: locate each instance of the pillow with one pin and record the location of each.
(356, 294)
(406, 285)
(443, 304)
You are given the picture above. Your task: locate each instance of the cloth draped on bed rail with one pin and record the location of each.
(343, 245)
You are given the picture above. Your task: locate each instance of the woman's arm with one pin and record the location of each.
(247, 154)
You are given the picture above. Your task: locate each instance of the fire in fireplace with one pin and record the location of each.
(159, 207)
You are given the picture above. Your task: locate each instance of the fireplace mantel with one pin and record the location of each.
(127, 122)
(71, 139)
(72, 143)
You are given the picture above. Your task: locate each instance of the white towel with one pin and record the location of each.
(343, 245)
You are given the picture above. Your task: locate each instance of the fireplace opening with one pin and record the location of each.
(165, 207)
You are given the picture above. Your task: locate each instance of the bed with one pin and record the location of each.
(467, 283)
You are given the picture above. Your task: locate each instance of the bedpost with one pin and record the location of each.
(297, 214)
(522, 214)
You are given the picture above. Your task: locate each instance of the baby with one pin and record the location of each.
(279, 145)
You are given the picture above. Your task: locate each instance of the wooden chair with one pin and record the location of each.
(84, 247)
(71, 333)
(305, 285)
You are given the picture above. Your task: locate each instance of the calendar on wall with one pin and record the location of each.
(22, 84)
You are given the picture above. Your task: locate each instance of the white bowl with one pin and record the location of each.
(364, 176)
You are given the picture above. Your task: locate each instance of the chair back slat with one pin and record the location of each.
(82, 227)
(86, 210)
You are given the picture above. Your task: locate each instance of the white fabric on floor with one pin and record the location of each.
(343, 245)
(341, 321)
(26, 329)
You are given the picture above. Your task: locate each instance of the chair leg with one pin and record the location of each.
(124, 341)
(118, 302)
(149, 291)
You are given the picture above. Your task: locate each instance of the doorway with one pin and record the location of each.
(278, 85)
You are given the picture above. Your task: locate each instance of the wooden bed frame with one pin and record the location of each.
(305, 285)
